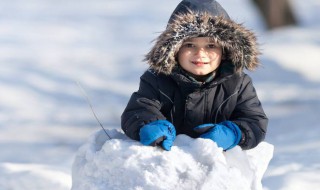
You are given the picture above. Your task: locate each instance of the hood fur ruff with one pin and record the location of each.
(239, 44)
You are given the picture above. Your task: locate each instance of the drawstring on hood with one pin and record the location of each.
(205, 18)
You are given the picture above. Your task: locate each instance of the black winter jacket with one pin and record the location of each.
(187, 104)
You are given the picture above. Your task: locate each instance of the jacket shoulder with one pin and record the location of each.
(235, 82)
(156, 79)
(246, 81)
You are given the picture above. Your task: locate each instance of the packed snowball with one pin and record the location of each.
(122, 163)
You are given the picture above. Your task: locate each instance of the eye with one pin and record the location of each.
(212, 46)
(188, 45)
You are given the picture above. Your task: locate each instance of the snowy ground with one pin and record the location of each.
(47, 46)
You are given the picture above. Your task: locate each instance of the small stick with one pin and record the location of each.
(94, 114)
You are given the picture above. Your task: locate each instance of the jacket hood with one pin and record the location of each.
(238, 43)
(210, 6)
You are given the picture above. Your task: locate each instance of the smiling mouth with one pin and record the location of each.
(199, 63)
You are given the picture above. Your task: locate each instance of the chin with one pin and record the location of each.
(200, 73)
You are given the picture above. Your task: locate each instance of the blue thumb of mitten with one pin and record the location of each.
(226, 134)
(160, 132)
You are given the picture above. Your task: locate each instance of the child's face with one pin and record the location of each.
(199, 56)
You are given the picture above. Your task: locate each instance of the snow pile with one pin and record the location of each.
(121, 163)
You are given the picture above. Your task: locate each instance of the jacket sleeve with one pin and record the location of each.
(143, 107)
(249, 115)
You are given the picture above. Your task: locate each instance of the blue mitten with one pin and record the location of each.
(160, 132)
(226, 134)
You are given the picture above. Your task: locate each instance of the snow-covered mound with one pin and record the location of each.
(121, 163)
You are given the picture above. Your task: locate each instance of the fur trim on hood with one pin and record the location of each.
(238, 43)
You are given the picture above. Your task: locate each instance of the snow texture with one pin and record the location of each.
(121, 163)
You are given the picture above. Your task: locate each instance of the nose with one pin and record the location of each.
(200, 52)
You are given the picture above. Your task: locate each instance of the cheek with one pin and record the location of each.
(181, 56)
(216, 55)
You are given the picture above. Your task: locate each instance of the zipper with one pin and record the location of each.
(206, 105)
(219, 108)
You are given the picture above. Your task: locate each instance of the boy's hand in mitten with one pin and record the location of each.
(226, 134)
(160, 132)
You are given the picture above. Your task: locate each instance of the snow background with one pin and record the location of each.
(46, 47)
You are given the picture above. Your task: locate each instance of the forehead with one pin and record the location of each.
(200, 39)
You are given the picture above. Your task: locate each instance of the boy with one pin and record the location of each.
(196, 85)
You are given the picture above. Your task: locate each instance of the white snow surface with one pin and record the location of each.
(48, 46)
(121, 163)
